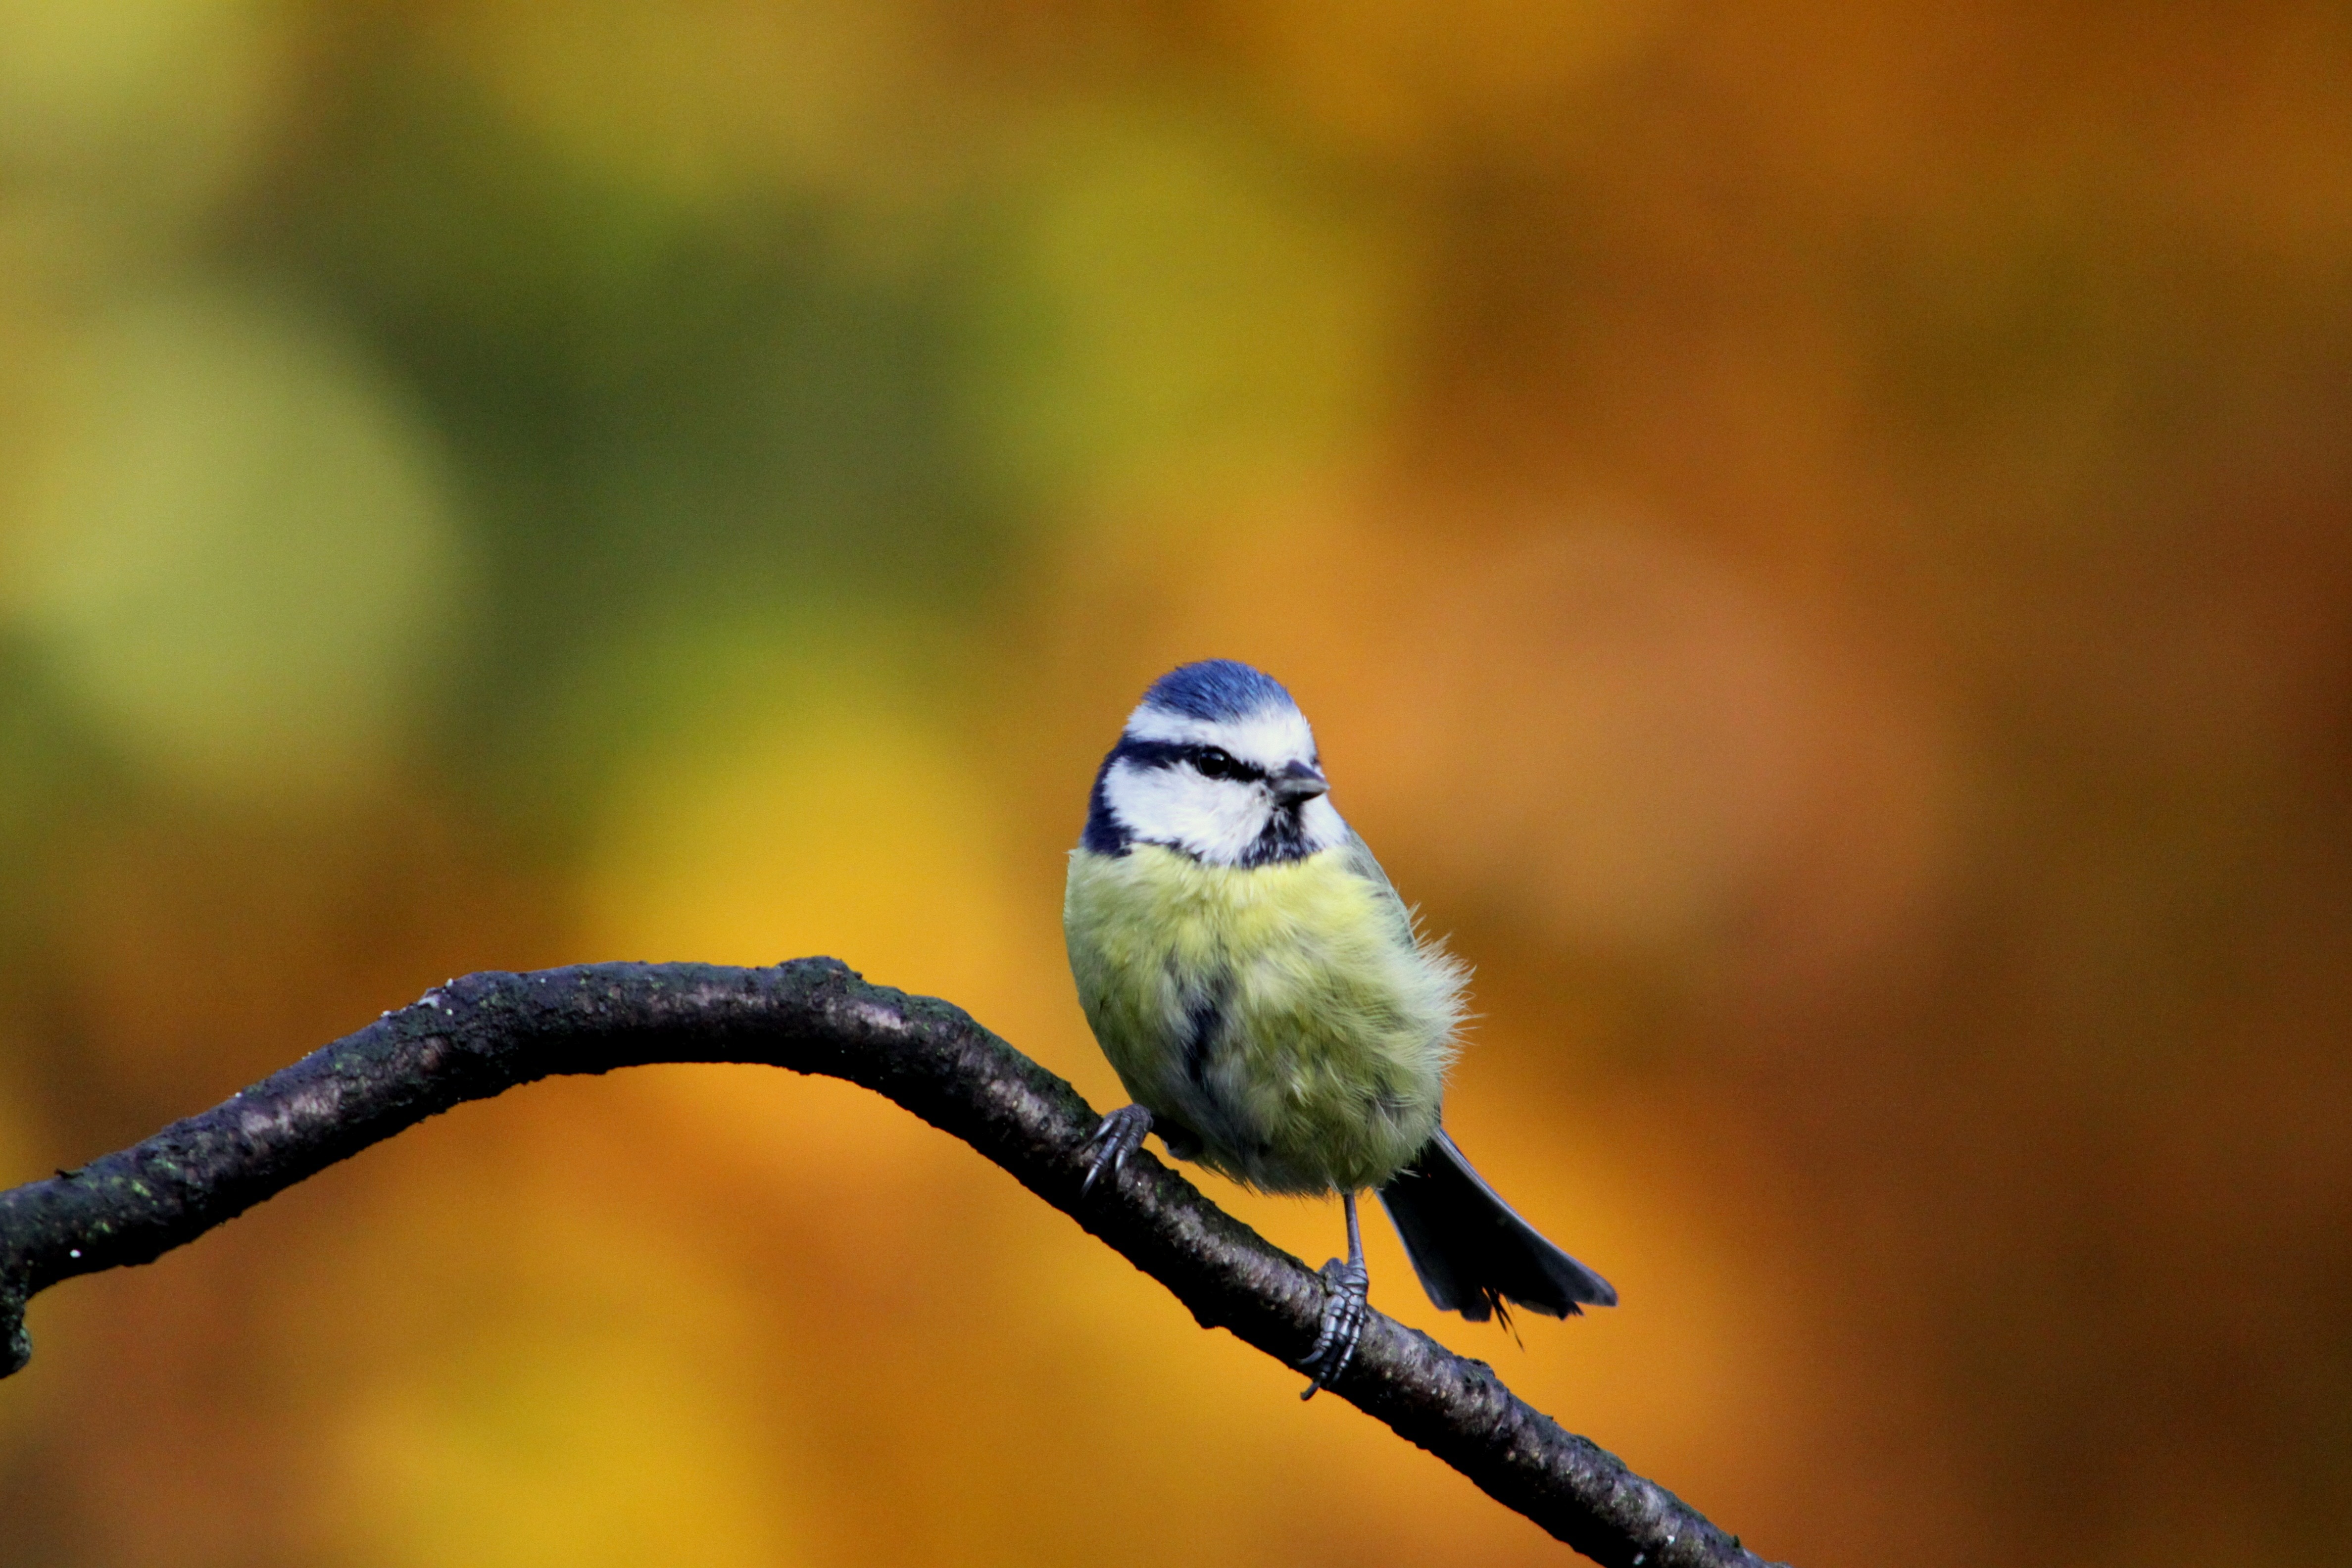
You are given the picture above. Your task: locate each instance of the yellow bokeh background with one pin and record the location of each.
(1817, 541)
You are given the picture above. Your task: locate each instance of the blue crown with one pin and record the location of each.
(1216, 689)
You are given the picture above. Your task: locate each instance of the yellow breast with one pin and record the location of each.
(1285, 1016)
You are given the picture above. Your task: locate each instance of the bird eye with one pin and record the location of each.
(1214, 762)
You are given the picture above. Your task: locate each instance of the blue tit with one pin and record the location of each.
(1272, 1006)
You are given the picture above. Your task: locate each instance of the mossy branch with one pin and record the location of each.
(483, 1034)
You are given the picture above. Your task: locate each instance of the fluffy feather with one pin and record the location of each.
(1285, 1017)
(1266, 996)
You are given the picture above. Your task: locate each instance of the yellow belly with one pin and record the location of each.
(1284, 1016)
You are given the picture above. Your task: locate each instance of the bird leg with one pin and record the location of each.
(1120, 1135)
(1346, 1291)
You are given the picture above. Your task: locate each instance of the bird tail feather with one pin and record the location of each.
(1472, 1252)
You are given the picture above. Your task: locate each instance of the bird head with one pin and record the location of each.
(1217, 763)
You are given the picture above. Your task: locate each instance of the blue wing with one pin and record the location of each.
(1357, 856)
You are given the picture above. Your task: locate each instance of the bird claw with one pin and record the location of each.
(1346, 1303)
(1120, 1134)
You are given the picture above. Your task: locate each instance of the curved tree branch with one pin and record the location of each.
(480, 1035)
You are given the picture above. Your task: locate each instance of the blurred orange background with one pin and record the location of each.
(1814, 537)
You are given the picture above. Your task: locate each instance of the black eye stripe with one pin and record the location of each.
(1217, 762)
(1209, 762)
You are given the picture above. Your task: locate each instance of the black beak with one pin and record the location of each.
(1297, 783)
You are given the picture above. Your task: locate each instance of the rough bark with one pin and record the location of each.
(482, 1035)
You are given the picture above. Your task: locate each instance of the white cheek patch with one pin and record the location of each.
(1325, 828)
(1217, 819)
(1271, 738)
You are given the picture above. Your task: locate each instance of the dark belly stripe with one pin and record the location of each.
(1204, 1021)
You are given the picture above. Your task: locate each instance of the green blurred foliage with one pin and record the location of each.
(1815, 539)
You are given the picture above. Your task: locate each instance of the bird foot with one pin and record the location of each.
(1120, 1134)
(1346, 1303)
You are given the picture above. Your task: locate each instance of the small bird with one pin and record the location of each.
(1272, 1005)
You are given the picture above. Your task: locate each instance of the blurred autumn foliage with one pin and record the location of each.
(1815, 538)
